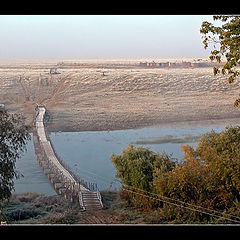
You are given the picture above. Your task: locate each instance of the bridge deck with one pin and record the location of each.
(48, 148)
(87, 199)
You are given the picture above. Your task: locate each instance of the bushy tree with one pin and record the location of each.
(208, 176)
(221, 153)
(226, 44)
(14, 135)
(137, 167)
(187, 181)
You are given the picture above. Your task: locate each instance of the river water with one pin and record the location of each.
(88, 153)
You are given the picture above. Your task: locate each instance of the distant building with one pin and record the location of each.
(54, 71)
(164, 64)
(195, 64)
(152, 64)
(186, 64)
(172, 64)
(182, 64)
(143, 64)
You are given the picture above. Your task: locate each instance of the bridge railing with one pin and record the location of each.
(75, 186)
(87, 184)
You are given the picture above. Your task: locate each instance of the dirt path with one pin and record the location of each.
(57, 91)
(97, 217)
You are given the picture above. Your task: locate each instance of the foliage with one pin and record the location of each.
(36, 208)
(136, 167)
(226, 39)
(187, 181)
(13, 138)
(21, 208)
(221, 152)
(207, 177)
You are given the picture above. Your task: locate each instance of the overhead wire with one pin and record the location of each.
(185, 203)
(213, 215)
(182, 202)
(159, 198)
(97, 175)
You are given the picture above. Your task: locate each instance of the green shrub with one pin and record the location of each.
(221, 153)
(22, 214)
(208, 176)
(137, 167)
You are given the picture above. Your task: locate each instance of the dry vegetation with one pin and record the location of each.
(81, 97)
(33, 208)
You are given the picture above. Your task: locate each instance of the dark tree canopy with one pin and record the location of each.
(14, 135)
(226, 44)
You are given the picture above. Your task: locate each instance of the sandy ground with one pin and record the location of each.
(109, 95)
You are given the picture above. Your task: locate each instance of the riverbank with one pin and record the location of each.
(86, 126)
(85, 99)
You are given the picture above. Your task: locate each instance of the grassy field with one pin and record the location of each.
(34, 208)
(117, 94)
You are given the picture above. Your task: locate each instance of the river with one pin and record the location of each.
(88, 153)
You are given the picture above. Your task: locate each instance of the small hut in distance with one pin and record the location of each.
(54, 71)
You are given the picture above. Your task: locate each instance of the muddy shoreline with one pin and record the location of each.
(147, 124)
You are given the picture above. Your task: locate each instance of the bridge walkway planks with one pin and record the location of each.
(67, 183)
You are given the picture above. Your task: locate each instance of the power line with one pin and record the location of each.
(97, 175)
(214, 215)
(192, 205)
(207, 209)
(165, 201)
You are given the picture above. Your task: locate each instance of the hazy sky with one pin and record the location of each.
(101, 36)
